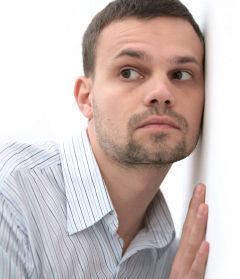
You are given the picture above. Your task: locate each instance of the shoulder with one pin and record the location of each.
(17, 155)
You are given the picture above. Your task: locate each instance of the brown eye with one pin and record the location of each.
(130, 74)
(181, 75)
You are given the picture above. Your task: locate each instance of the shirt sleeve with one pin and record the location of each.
(15, 256)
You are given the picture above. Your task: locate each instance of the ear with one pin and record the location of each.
(83, 96)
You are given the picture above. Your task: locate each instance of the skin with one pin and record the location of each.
(144, 103)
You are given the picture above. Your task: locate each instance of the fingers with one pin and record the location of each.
(191, 258)
(197, 198)
(196, 235)
(199, 265)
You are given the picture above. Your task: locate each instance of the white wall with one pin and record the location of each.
(40, 58)
(220, 150)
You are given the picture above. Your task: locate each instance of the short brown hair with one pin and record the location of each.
(120, 9)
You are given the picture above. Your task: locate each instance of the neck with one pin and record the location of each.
(131, 190)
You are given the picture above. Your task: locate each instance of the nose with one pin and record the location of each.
(159, 93)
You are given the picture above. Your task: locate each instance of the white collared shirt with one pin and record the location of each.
(57, 219)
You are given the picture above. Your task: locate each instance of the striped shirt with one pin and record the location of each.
(57, 219)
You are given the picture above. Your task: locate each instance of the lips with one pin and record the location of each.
(159, 121)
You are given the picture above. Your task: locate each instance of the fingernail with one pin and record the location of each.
(198, 191)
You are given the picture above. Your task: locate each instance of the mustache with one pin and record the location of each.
(136, 119)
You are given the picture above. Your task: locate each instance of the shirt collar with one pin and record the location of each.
(87, 197)
(158, 222)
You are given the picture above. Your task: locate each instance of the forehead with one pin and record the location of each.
(158, 37)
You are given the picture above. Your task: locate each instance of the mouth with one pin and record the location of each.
(159, 123)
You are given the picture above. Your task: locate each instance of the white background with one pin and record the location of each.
(40, 58)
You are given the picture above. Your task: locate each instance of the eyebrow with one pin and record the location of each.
(142, 55)
(180, 60)
(134, 53)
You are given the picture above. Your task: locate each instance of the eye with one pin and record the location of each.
(130, 74)
(181, 75)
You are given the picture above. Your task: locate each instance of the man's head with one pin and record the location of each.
(143, 90)
(121, 9)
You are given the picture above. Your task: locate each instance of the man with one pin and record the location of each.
(91, 208)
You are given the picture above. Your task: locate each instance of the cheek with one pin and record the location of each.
(114, 102)
(192, 111)
(197, 106)
(195, 120)
(109, 112)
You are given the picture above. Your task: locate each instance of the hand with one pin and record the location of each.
(191, 258)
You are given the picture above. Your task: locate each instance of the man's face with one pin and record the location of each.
(148, 91)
